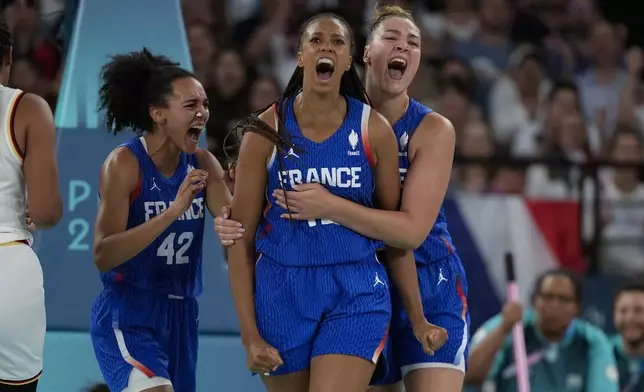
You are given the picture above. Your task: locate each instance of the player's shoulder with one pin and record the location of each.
(269, 115)
(378, 125)
(34, 108)
(122, 163)
(435, 123)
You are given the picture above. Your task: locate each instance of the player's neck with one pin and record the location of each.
(393, 107)
(164, 153)
(635, 349)
(314, 108)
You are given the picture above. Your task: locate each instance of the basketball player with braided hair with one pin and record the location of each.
(425, 150)
(148, 239)
(312, 297)
(28, 176)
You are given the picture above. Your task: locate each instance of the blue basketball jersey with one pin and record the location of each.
(341, 164)
(438, 244)
(172, 263)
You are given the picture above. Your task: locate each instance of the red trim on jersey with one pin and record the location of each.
(12, 119)
(366, 146)
(137, 191)
(449, 246)
(461, 294)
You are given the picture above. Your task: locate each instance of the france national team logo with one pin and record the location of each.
(353, 143)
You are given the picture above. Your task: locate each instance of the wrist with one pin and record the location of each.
(174, 211)
(334, 206)
(506, 326)
(249, 337)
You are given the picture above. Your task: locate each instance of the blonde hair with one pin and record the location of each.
(383, 12)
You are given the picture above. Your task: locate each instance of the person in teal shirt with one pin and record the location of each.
(565, 354)
(628, 345)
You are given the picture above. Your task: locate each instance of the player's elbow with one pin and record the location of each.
(410, 241)
(101, 257)
(416, 240)
(47, 215)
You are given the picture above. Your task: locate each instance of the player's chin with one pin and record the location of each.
(190, 145)
(394, 86)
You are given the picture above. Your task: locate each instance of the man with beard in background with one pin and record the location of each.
(629, 343)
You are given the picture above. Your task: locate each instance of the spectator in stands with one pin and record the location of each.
(600, 86)
(567, 143)
(455, 103)
(564, 353)
(458, 21)
(629, 343)
(631, 105)
(517, 98)
(227, 93)
(203, 50)
(622, 250)
(29, 39)
(263, 91)
(534, 139)
(476, 143)
(508, 179)
(488, 52)
(25, 76)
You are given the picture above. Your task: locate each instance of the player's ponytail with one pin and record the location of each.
(131, 84)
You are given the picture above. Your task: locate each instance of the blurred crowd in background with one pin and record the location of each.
(533, 86)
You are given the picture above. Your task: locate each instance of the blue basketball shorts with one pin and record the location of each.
(142, 340)
(305, 312)
(443, 288)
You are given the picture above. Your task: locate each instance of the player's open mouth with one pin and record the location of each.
(194, 133)
(324, 68)
(396, 68)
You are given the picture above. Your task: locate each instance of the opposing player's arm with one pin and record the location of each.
(217, 193)
(113, 245)
(250, 184)
(431, 151)
(401, 263)
(34, 125)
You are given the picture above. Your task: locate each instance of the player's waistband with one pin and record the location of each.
(11, 243)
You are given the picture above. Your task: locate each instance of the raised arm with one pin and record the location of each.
(113, 244)
(36, 137)
(217, 190)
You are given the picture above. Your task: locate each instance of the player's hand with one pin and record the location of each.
(307, 201)
(431, 336)
(262, 358)
(228, 230)
(194, 182)
(511, 314)
(31, 226)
